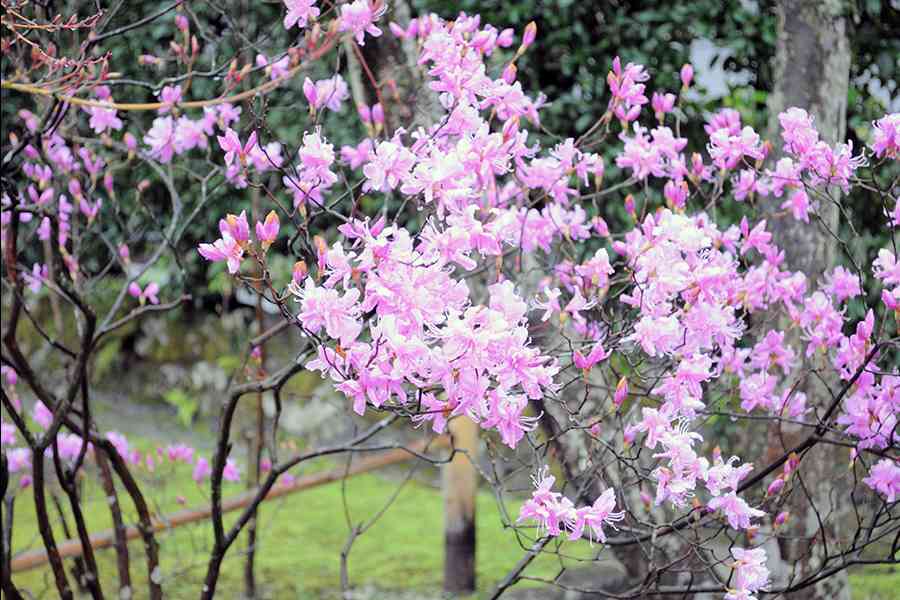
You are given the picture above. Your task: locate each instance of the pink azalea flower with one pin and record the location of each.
(231, 144)
(19, 459)
(884, 478)
(161, 139)
(169, 96)
(202, 470)
(299, 12)
(357, 156)
(359, 16)
(103, 119)
(595, 516)
(231, 471)
(597, 354)
(886, 136)
(42, 415)
(148, 294)
(224, 249)
(750, 573)
(7, 434)
(735, 509)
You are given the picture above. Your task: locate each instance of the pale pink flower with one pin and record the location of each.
(202, 470)
(884, 478)
(299, 12)
(42, 415)
(735, 509)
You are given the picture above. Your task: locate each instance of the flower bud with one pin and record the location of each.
(299, 272)
(529, 35)
(687, 75)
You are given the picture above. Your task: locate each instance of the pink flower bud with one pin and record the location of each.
(687, 75)
(509, 73)
(676, 193)
(600, 226)
(181, 22)
(621, 392)
(365, 113)
(124, 253)
(529, 35)
(75, 188)
(378, 114)
(309, 90)
(781, 518)
(775, 487)
(299, 272)
(268, 231)
(629, 206)
(130, 142)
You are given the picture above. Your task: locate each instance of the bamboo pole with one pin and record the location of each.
(72, 548)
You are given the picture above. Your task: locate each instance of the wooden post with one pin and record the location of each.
(460, 488)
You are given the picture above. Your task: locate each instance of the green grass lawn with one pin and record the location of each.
(301, 536)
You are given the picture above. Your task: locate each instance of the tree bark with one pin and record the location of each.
(812, 69)
(460, 489)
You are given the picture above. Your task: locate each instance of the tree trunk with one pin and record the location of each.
(812, 67)
(460, 488)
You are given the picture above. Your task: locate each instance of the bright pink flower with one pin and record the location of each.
(148, 294)
(231, 144)
(359, 16)
(728, 150)
(662, 104)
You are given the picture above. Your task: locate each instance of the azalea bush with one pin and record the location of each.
(455, 265)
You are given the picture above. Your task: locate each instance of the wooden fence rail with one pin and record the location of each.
(72, 548)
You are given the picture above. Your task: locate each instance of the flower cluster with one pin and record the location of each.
(555, 513)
